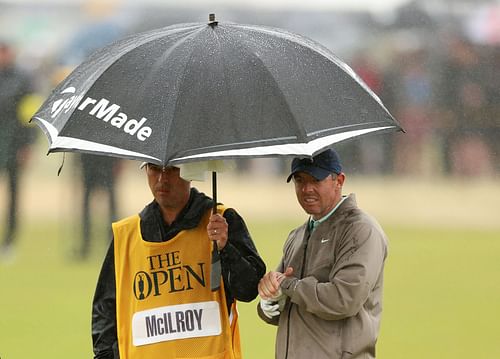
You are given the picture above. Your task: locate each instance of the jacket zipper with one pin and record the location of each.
(302, 270)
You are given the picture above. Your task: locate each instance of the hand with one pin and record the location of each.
(269, 285)
(217, 230)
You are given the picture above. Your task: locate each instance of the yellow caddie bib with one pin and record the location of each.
(164, 305)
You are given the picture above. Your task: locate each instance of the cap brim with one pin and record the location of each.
(318, 173)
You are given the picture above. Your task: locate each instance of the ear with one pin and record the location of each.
(341, 179)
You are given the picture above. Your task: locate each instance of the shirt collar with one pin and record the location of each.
(315, 223)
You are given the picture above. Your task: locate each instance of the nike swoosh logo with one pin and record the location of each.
(323, 240)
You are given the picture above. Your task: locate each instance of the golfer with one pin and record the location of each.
(153, 297)
(326, 294)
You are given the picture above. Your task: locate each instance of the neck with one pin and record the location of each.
(169, 215)
(329, 211)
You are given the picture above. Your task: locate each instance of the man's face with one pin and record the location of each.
(168, 188)
(316, 197)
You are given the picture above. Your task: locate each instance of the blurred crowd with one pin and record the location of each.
(446, 99)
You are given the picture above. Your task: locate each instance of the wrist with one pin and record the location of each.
(289, 285)
(279, 294)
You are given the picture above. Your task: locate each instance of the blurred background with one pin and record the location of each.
(436, 189)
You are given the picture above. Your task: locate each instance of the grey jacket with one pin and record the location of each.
(334, 299)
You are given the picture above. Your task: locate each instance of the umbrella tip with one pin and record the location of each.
(211, 20)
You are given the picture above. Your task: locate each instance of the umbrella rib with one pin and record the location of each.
(226, 83)
(300, 129)
(166, 54)
(315, 47)
(341, 128)
(181, 78)
(146, 38)
(120, 48)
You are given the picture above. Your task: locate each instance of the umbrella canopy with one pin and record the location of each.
(194, 92)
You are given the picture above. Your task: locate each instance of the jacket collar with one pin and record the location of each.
(154, 228)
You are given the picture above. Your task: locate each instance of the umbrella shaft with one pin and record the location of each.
(214, 191)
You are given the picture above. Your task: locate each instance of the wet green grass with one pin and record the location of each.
(442, 295)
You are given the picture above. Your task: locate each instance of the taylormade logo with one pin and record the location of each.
(103, 110)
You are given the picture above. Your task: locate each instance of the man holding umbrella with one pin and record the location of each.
(154, 296)
(326, 294)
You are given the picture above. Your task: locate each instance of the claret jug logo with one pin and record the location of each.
(167, 274)
(103, 110)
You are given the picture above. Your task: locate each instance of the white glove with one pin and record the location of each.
(273, 307)
(269, 308)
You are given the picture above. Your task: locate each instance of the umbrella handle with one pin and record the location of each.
(214, 191)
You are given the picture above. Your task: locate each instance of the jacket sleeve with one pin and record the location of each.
(242, 267)
(354, 275)
(104, 335)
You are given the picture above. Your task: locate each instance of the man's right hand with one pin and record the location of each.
(269, 285)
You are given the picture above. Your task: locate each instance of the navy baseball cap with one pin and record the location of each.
(320, 166)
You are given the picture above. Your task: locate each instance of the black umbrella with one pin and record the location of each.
(196, 92)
